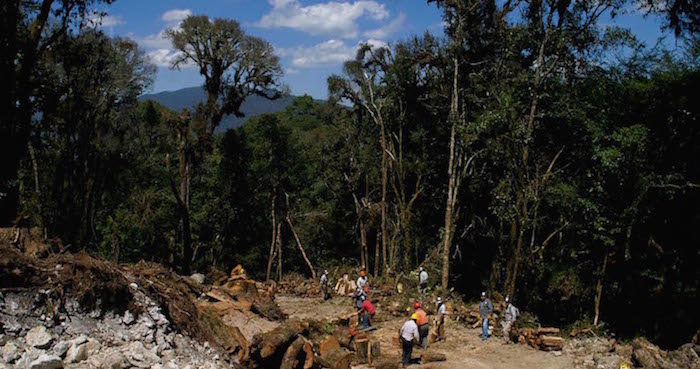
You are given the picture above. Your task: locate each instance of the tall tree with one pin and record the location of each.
(234, 66)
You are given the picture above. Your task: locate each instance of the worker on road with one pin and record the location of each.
(359, 296)
(325, 285)
(422, 281)
(511, 316)
(423, 326)
(440, 320)
(485, 310)
(366, 312)
(408, 335)
(362, 280)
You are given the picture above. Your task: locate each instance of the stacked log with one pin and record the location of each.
(345, 286)
(545, 339)
(241, 293)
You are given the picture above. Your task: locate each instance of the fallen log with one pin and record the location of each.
(309, 355)
(266, 344)
(389, 363)
(550, 330)
(551, 343)
(337, 358)
(432, 356)
(290, 360)
(329, 343)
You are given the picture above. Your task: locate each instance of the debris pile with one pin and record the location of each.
(545, 339)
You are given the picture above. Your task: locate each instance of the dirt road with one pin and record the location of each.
(464, 348)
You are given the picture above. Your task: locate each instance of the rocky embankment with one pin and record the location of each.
(32, 337)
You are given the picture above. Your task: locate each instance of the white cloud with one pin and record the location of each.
(162, 57)
(176, 15)
(334, 19)
(384, 31)
(155, 41)
(331, 52)
(99, 20)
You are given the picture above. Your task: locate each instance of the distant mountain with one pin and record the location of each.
(190, 96)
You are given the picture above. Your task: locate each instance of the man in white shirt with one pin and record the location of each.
(362, 281)
(422, 281)
(408, 335)
(441, 314)
(511, 316)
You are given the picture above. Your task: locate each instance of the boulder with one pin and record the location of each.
(197, 278)
(45, 361)
(114, 360)
(61, 348)
(10, 352)
(39, 337)
(128, 318)
(77, 353)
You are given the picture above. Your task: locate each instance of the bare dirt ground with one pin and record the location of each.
(464, 348)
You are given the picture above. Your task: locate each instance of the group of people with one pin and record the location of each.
(416, 330)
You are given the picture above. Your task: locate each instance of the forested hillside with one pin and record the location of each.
(530, 149)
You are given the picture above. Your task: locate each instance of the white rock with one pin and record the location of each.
(61, 348)
(128, 318)
(79, 340)
(46, 362)
(198, 278)
(133, 286)
(76, 353)
(10, 352)
(114, 360)
(39, 337)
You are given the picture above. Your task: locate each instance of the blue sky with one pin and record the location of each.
(312, 38)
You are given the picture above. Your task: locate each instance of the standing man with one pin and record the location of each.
(324, 285)
(422, 281)
(485, 310)
(441, 314)
(408, 335)
(362, 281)
(512, 314)
(366, 313)
(422, 323)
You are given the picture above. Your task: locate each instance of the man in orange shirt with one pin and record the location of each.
(422, 323)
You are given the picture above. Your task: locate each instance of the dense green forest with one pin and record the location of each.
(529, 150)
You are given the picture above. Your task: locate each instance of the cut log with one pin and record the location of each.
(389, 363)
(342, 335)
(266, 344)
(329, 343)
(243, 347)
(290, 360)
(551, 343)
(337, 358)
(309, 355)
(550, 330)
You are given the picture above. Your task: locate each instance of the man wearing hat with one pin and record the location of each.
(423, 326)
(485, 310)
(408, 335)
(441, 314)
(325, 285)
(511, 316)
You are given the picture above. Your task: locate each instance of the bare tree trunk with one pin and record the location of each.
(37, 190)
(303, 253)
(599, 288)
(273, 240)
(363, 245)
(451, 173)
(376, 255)
(279, 251)
(385, 236)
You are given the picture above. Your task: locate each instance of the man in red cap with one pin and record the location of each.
(422, 323)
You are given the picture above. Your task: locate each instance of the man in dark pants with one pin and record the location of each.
(408, 335)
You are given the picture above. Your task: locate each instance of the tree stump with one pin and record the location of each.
(336, 358)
